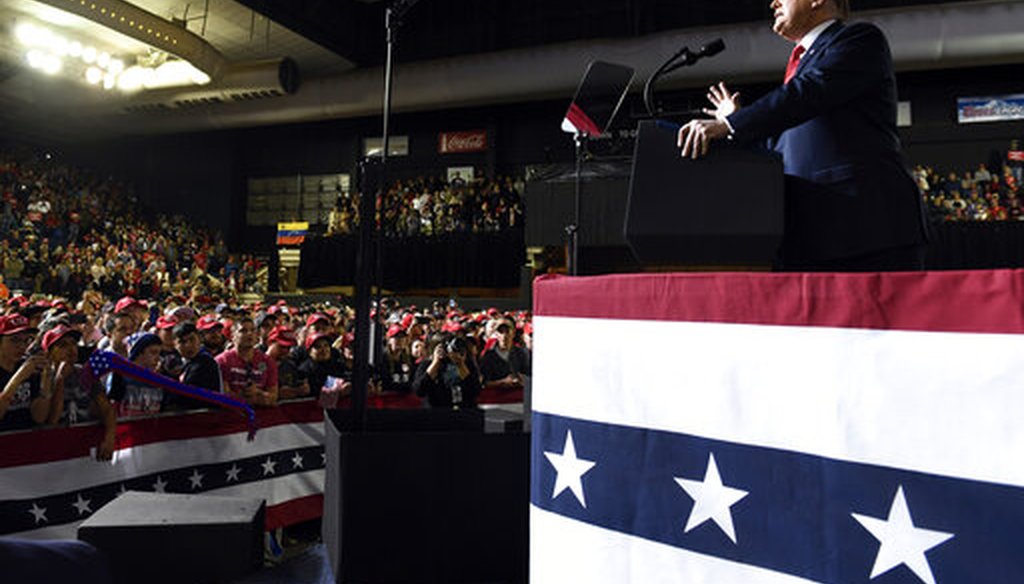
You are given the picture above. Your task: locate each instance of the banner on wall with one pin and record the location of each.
(461, 142)
(990, 109)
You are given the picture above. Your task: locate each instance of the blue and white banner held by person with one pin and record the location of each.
(778, 428)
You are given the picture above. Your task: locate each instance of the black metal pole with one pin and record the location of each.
(573, 230)
(364, 267)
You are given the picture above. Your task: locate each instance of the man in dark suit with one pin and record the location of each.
(851, 205)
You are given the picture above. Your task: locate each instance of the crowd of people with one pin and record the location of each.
(974, 195)
(254, 353)
(64, 231)
(436, 206)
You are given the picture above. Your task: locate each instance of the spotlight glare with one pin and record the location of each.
(61, 46)
(27, 34)
(103, 60)
(35, 58)
(52, 64)
(89, 55)
(116, 66)
(75, 49)
(93, 75)
(109, 81)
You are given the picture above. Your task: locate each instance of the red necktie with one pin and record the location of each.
(794, 62)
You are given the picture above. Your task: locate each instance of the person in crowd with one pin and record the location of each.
(322, 362)
(80, 403)
(26, 397)
(170, 361)
(247, 372)
(137, 310)
(265, 323)
(504, 363)
(418, 351)
(397, 366)
(199, 369)
(118, 328)
(131, 397)
(291, 381)
(449, 379)
(212, 331)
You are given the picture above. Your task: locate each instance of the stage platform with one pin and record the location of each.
(310, 566)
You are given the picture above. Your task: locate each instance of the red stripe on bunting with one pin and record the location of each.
(982, 301)
(50, 444)
(294, 511)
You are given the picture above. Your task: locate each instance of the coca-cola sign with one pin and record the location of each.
(453, 142)
(1016, 155)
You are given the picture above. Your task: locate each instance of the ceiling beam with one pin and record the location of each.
(336, 25)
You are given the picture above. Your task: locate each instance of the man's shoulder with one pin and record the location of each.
(856, 31)
(226, 356)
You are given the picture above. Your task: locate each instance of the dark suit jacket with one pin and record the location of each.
(848, 192)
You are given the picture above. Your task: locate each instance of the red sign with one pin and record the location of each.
(453, 142)
(1015, 155)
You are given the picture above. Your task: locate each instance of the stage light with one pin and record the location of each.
(35, 58)
(75, 49)
(61, 46)
(109, 81)
(103, 60)
(51, 64)
(89, 55)
(93, 75)
(116, 66)
(27, 34)
(132, 79)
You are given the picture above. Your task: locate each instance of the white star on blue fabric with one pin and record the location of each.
(570, 470)
(900, 542)
(233, 473)
(160, 486)
(711, 500)
(39, 513)
(196, 479)
(82, 505)
(297, 461)
(268, 467)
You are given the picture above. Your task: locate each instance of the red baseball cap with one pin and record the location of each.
(207, 322)
(283, 336)
(57, 333)
(313, 338)
(395, 330)
(127, 302)
(13, 324)
(166, 322)
(407, 320)
(317, 317)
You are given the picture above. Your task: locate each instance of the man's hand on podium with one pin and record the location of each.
(696, 136)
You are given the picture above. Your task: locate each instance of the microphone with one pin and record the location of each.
(711, 49)
(683, 58)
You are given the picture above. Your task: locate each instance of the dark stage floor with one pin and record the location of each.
(308, 566)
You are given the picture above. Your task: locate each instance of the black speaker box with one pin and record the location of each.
(157, 538)
(425, 496)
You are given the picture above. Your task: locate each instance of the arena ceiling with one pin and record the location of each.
(326, 38)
